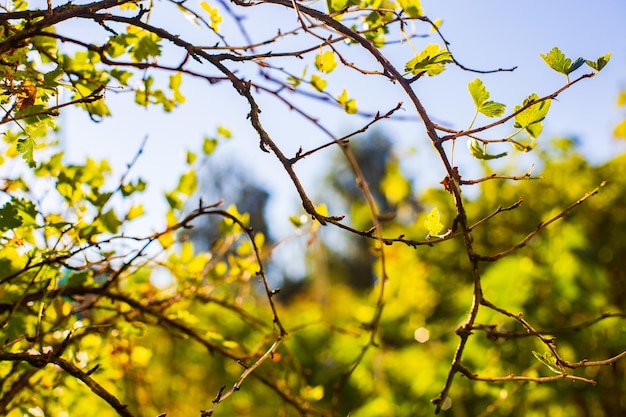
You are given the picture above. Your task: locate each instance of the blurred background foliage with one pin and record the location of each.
(568, 276)
(175, 330)
(168, 322)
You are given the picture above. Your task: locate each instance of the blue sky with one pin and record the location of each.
(483, 35)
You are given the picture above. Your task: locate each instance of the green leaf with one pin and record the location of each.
(26, 147)
(130, 188)
(144, 44)
(480, 95)
(79, 279)
(337, 5)
(173, 201)
(110, 221)
(433, 222)
(175, 82)
(50, 78)
(325, 61)
(492, 109)
(413, 8)
(525, 145)
(96, 108)
(9, 217)
(431, 60)
(548, 360)
(479, 150)
(600, 62)
(531, 119)
(560, 63)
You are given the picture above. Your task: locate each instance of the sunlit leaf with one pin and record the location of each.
(600, 62)
(531, 118)
(349, 104)
(134, 212)
(224, 132)
(175, 82)
(436, 24)
(337, 5)
(145, 44)
(325, 61)
(9, 217)
(191, 157)
(321, 209)
(525, 145)
(413, 8)
(214, 15)
(110, 221)
(549, 360)
(431, 60)
(318, 82)
(209, 145)
(129, 6)
(560, 63)
(173, 201)
(188, 183)
(315, 393)
(26, 147)
(480, 95)
(433, 222)
(167, 239)
(479, 150)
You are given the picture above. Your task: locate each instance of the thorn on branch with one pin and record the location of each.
(94, 369)
(464, 331)
(218, 397)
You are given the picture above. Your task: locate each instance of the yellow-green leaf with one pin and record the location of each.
(209, 145)
(134, 212)
(433, 222)
(531, 118)
(480, 95)
(325, 61)
(224, 132)
(214, 15)
(431, 60)
(349, 104)
(167, 239)
(188, 183)
(318, 82)
(413, 8)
